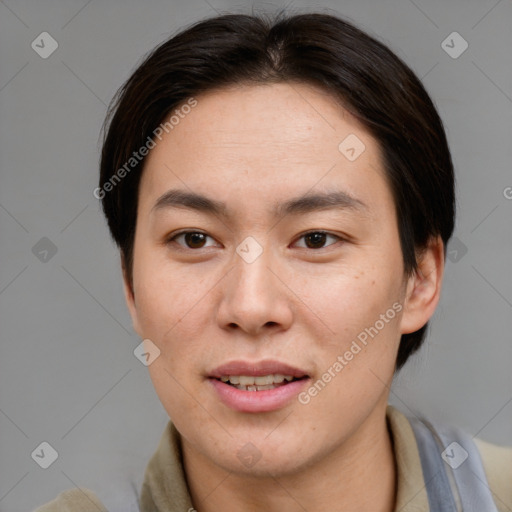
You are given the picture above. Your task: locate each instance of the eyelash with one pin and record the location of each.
(174, 236)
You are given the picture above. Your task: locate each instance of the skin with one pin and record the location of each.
(203, 305)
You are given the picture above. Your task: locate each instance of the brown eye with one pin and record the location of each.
(314, 240)
(317, 239)
(193, 239)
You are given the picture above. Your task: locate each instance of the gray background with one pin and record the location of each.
(68, 374)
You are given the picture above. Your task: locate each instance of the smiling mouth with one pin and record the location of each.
(259, 383)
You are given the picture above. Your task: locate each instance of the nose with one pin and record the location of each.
(255, 298)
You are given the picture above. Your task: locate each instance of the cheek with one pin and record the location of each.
(356, 364)
(356, 356)
(176, 395)
(167, 295)
(347, 300)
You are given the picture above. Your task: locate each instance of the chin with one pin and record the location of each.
(268, 465)
(261, 460)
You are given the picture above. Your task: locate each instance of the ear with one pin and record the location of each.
(130, 298)
(423, 288)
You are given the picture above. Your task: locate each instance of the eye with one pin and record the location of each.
(196, 239)
(316, 239)
(193, 239)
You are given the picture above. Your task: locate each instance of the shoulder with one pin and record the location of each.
(74, 500)
(497, 461)
(489, 466)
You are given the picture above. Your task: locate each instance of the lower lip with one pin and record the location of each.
(257, 401)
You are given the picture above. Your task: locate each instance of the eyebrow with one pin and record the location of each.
(308, 203)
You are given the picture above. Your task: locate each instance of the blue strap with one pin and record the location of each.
(439, 490)
(469, 476)
(454, 474)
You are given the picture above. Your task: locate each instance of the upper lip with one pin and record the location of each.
(256, 369)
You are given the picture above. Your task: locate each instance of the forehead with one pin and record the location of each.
(259, 120)
(260, 141)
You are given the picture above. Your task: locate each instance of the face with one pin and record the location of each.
(270, 283)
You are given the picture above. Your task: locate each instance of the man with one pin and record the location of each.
(282, 193)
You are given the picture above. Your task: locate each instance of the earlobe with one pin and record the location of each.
(423, 288)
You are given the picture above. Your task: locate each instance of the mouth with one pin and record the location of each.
(257, 387)
(259, 383)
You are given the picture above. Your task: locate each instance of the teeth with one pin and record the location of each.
(251, 383)
(245, 380)
(256, 388)
(264, 380)
(263, 388)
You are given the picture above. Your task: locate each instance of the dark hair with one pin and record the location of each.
(313, 48)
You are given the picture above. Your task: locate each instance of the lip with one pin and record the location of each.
(256, 369)
(257, 401)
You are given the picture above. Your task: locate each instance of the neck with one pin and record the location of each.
(359, 475)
